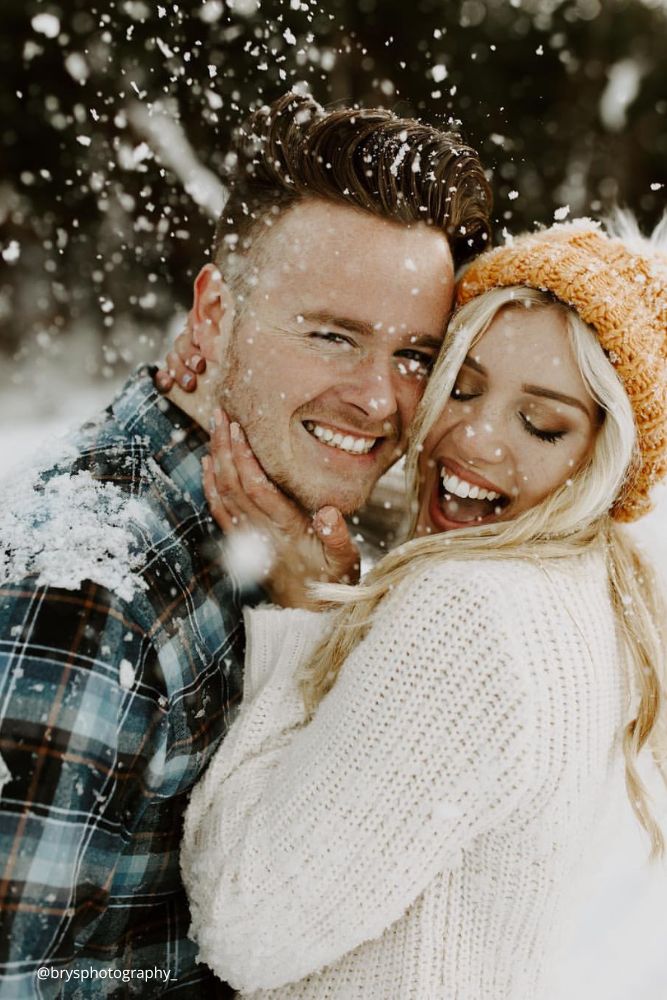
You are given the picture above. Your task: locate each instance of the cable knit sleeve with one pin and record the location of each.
(310, 839)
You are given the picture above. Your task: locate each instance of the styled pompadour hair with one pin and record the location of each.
(396, 168)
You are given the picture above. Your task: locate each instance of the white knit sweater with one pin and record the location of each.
(417, 839)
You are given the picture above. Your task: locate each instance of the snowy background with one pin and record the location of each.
(115, 122)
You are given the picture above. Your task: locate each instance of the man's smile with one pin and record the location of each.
(351, 442)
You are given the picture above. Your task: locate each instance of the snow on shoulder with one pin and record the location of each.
(65, 529)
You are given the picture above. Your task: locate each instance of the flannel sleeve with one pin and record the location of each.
(80, 722)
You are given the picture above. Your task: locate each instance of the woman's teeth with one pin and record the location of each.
(345, 442)
(460, 488)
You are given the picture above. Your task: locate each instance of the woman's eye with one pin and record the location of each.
(414, 363)
(543, 435)
(461, 395)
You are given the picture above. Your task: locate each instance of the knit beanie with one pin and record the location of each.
(618, 285)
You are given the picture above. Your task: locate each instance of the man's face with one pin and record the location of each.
(331, 352)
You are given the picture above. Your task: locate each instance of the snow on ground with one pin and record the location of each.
(618, 939)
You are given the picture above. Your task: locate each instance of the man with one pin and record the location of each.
(121, 640)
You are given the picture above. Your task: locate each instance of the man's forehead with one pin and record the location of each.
(312, 224)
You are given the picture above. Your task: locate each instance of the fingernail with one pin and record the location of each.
(235, 431)
(328, 516)
(187, 380)
(163, 381)
(217, 416)
(197, 363)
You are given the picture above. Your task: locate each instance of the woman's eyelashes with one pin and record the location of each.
(465, 393)
(538, 432)
(463, 397)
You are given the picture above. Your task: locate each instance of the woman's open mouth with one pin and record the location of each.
(463, 502)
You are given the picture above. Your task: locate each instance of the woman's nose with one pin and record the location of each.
(481, 439)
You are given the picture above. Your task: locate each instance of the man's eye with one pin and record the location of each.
(333, 338)
(415, 363)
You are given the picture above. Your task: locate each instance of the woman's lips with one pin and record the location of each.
(445, 510)
(468, 475)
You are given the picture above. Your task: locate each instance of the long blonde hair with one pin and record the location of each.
(572, 519)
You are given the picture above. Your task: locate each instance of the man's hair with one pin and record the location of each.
(396, 168)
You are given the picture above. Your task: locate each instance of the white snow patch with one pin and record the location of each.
(126, 673)
(248, 556)
(137, 10)
(70, 529)
(398, 159)
(77, 67)
(246, 8)
(211, 11)
(46, 24)
(214, 100)
(164, 48)
(11, 252)
(621, 90)
(5, 774)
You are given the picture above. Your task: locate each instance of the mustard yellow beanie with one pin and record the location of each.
(618, 285)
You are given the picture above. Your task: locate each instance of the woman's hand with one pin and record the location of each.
(303, 550)
(183, 363)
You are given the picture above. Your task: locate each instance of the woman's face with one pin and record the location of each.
(519, 424)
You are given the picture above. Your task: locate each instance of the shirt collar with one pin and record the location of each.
(176, 441)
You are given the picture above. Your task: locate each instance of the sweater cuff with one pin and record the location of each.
(279, 637)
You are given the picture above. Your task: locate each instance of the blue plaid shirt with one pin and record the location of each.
(121, 660)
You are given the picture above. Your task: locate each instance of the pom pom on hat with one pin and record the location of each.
(617, 282)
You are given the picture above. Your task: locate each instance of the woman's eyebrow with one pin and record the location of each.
(538, 390)
(534, 390)
(471, 363)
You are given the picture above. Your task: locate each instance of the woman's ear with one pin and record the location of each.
(212, 314)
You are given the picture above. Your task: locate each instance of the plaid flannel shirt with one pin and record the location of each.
(115, 691)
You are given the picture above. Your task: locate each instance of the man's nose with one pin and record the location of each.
(371, 389)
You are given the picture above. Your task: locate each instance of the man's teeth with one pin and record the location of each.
(346, 442)
(460, 488)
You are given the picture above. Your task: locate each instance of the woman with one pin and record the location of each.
(405, 817)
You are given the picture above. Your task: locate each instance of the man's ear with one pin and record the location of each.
(212, 314)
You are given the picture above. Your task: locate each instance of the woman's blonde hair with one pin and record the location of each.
(573, 518)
